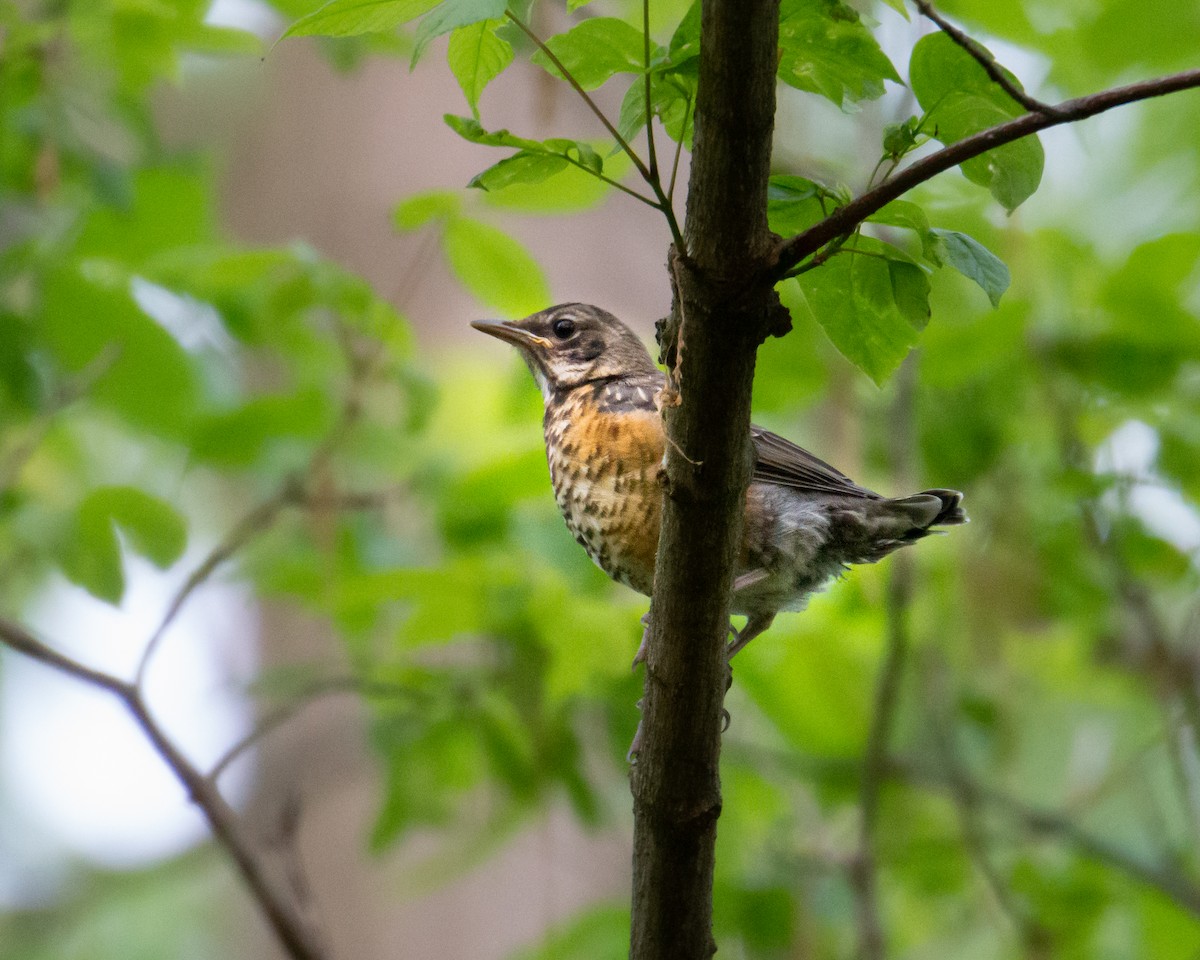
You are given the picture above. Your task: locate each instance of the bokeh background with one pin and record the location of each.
(214, 277)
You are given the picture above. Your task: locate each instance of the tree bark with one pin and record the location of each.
(723, 309)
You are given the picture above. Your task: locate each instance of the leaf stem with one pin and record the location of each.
(649, 175)
(648, 201)
(591, 104)
(653, 156)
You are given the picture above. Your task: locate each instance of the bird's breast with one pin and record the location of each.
(605, 466)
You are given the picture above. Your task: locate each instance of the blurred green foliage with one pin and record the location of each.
(1041, 794)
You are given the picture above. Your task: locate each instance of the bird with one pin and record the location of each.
(805, 521)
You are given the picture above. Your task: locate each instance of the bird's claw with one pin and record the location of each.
(640, 656)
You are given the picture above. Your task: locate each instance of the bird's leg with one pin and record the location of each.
(756, 624)
(636, 744)
(640, 656)
(754, 627)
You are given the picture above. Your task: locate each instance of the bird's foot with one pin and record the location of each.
(636, 744)
(756, 624)
(640, 656)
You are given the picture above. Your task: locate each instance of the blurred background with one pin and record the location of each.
(229, 266)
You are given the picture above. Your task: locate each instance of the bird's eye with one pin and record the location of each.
(563, 328)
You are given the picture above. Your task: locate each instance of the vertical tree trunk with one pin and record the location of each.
(723, 309)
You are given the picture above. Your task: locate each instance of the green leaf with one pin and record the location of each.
(92, 556)
(568, 191)
(495, 268)
(153, 527)
(476, 57)
(824, 48)
(535, 161)
(472, 130)
(239, 437)
(595, 50)
(910, 216)
(150, 380)
(450, 15)
(975, 261)
(421, 208)
(796, 203)
(910, 291)
(672, 96)
(685, 41)
(599, 933)
(899, 139)
(348, 18)
(959, 100)
(523, 167)
(871, 304)
(901, 213)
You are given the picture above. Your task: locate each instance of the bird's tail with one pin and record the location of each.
(942, 507)
(897, 523)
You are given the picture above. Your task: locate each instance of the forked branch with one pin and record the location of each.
(269, 889)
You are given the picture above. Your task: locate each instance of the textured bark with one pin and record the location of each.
(710, 343)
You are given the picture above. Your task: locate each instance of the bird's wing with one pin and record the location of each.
(781, 462)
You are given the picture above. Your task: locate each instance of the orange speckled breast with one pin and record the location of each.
(605, 466)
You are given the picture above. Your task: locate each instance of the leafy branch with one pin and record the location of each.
(795, 250)
(648, 173)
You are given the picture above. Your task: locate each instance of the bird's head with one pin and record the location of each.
(573, 344)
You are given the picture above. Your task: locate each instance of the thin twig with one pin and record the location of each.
(253, 523)
(604, 178)
(281, 714)
(1179, 888)
(985, 60)
(845, 219)
(274, 900)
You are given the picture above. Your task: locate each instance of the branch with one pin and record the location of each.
(253, 523)
(711, 339)
(863, 868)
(846, 218)
(272, 896)
(985, 60)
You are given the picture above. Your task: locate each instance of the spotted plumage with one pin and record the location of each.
(805, 521)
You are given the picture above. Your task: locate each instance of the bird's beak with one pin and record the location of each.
(510, 333)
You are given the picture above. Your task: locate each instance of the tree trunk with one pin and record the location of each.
(723, 308)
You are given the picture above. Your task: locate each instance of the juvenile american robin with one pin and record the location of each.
(805, 521)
